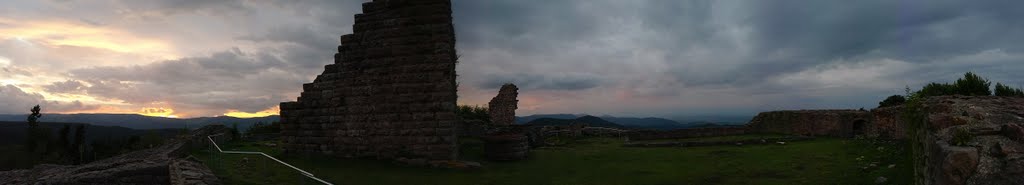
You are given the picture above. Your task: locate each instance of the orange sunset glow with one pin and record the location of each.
(269, 112)
(158, 112)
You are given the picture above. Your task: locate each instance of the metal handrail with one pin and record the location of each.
(303, 172)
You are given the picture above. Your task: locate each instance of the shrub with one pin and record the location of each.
(1003, 90)
(893, 100)
(263, 128)
(970, 85)
(235, 134)
(961, 136)
(973, 85)
(937, 89)
(473, 112)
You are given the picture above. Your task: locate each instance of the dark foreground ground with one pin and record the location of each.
(599, 161)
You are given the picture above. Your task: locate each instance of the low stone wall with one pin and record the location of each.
(160, 165)
(886, 123)
(990, 149)
(684, 133)
(835, 123)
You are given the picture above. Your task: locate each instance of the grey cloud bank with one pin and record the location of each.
(625, 58)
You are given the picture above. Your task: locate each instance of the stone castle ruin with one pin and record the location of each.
(390, 91)
(970, 140)
(878, 123)
(502, 108)
(959, 139)
(836, 123)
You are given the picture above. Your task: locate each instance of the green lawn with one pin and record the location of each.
(719, 138)
(600, 161)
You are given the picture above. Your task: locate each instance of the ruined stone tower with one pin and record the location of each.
(502, 108)
(390, 92)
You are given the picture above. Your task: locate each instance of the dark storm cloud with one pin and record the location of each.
(69, 86)
(301, 35)
(521, 25)
(646, 56)
(17, 101)
(541, 82)
(157, 9)
(786, 36)
(796, 35)
(820, 51)
(230, 79)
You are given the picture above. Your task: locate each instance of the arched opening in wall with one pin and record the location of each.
(858, 127)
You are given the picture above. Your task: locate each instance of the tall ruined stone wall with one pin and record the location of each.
(836, 123)
(502, 108)
(991, 150)
(390, 91)
(886, 123)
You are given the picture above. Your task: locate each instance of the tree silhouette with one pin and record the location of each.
(62, 141)
(1004, 90)
(33, 129)
(76, 147)
(893, 100)
(972, 85)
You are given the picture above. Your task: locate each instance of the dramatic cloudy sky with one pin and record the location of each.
(192, 58)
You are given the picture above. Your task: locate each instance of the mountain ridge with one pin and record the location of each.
(140, 122)
(656, 123)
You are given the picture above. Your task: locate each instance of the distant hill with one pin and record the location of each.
(713, 125)
(647, 123)
(527, 119)
(589, 120)
(134, 121)
(14, 132)
(723, 119)
(627, 122)
(598, 122)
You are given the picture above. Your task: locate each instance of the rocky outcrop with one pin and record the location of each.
(160, 165)
(836, 123)
(390, 92)
(970, 140)
(189, 171)
(502, 108)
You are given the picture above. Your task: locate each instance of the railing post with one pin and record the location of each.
(266, 170)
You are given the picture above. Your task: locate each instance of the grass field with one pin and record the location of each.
(720, 138)
(599, 161)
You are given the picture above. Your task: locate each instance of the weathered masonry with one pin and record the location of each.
(969, 140)
(836, 123)
(883, 123)
(502, 108)
(390, 92)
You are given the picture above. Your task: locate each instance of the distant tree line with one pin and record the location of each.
(473, 112)
(264, 128)
(969, 85)
(69, 146)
